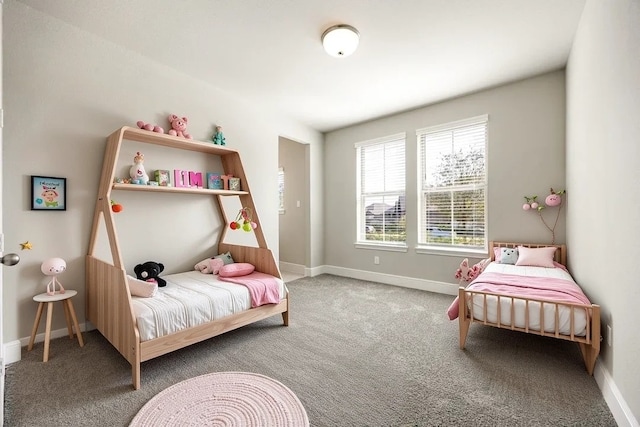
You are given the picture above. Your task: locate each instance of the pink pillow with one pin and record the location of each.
(496, 254)
(236, 269)
(536, 257)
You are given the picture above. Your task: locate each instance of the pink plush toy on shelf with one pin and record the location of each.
(53, 267)
(178, 126)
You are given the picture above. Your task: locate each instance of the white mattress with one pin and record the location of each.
(190, 299)
(564, 312)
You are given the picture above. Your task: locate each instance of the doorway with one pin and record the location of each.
(294, 208)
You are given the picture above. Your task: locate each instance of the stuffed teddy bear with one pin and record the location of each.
(149, 127)
(178, 126)
(149, 272)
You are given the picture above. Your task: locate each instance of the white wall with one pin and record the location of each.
(65, 91)
(525, 156)
(603, 152)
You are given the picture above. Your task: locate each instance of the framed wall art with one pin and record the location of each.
(48, 193)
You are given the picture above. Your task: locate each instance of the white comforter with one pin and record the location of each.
(549, 318)
(190, 299)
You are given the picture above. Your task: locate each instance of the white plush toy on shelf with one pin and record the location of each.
(53, 267)
(137, 172)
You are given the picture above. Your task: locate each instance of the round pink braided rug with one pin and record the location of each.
(224, 399)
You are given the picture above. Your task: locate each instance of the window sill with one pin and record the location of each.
(381, 246)
(454, 252)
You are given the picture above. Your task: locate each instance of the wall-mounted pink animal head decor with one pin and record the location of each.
(554, 199)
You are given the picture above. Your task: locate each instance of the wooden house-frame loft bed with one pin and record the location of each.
(108, 299)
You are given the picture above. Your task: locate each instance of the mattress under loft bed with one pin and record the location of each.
(532, 299)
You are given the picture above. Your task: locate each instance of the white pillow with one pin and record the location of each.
(536, 257)
(140, 288)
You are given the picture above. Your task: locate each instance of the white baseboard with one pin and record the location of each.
(315, 271)
(292, 268)
(617, 405)
(13, 349)
(390, 279)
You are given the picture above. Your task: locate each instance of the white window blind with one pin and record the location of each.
(381, 190)
(453, 175)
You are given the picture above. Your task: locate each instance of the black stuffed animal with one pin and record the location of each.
(149, 272)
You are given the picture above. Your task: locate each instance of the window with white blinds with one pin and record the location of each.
(453, 187)
(381, 190)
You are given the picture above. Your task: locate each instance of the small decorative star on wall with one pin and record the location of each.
(26, 245)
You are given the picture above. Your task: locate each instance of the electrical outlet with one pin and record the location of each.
(609, 335)
(376, 260)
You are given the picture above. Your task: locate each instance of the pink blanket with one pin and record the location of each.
(540, 288)
(263, 288)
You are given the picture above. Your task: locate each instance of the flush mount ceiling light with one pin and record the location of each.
(340, 40)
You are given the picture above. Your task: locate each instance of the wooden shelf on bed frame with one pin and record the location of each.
(589, 344)
(108, 301)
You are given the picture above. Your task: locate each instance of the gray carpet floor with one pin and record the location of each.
(356, 353)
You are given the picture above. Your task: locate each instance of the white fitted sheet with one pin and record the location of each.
(549, 316)
(190, 299)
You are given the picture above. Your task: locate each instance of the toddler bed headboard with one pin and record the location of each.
(261, 258)
(560, 256)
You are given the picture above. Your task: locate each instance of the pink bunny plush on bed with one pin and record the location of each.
(467, 274)
(209, 266)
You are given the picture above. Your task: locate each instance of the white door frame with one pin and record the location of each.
(1, 236)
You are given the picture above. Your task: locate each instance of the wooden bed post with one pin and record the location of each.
(285, 314)
(590, 352)
(463, 319)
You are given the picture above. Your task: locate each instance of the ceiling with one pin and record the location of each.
(412, 52)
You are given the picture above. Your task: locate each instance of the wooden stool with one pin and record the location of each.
(69, 314)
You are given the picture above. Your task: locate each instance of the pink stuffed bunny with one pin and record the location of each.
(178, 126)
(468, 274)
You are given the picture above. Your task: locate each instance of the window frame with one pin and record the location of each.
(450, 249)
(361, 240)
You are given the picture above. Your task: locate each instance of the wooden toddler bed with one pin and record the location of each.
(530, 299)
(109, 304)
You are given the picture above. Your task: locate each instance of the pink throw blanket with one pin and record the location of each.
(540, 288)
(263, 288)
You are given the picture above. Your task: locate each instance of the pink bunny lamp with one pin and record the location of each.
(53, 267)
